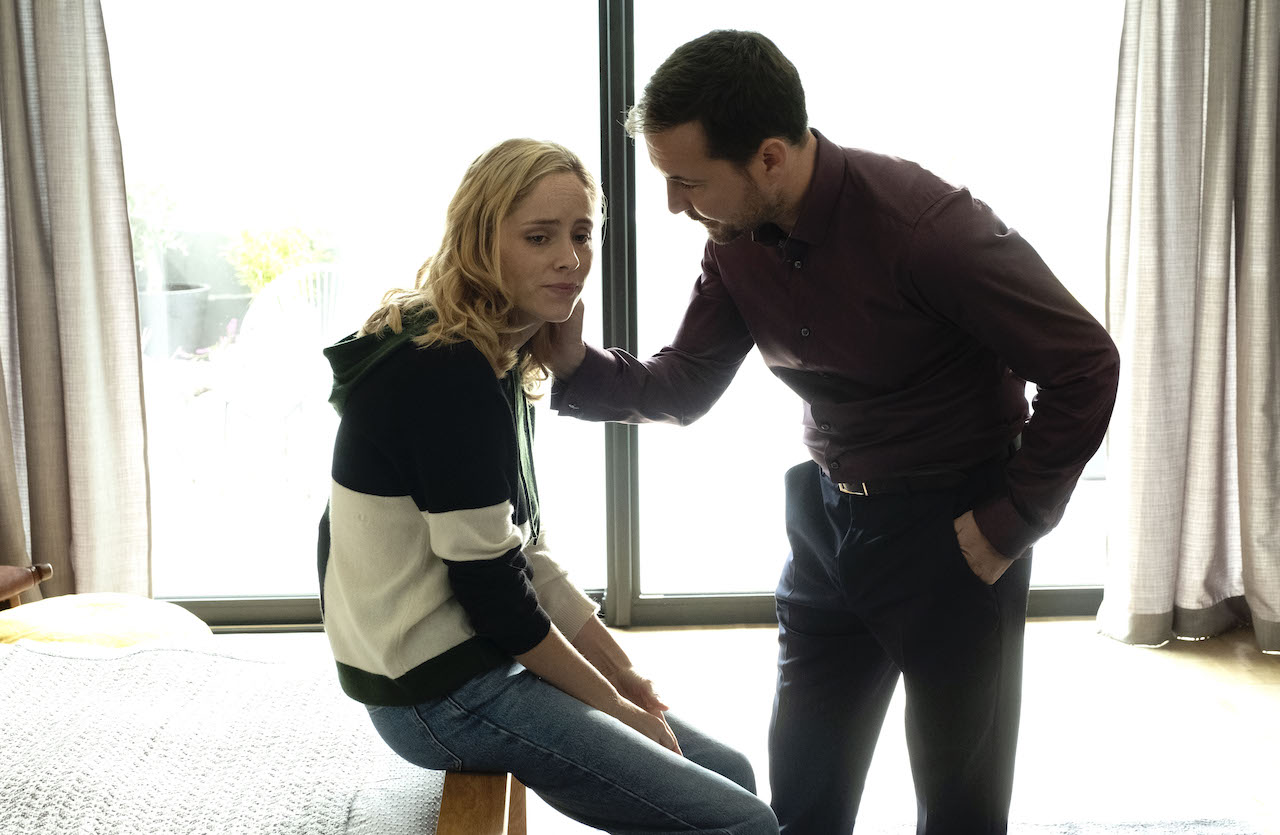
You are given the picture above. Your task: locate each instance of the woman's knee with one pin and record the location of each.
(732, 764)
(758, 819)
(713, 755)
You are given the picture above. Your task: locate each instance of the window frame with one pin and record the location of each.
(622, 604)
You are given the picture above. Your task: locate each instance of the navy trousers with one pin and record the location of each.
(876, 588)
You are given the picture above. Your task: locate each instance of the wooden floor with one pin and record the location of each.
(1110, 732)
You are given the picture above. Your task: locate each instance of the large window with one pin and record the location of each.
(287, 162)
(1012, 99)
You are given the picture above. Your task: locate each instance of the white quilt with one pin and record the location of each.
(179, 741)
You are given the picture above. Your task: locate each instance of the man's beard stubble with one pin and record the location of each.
(757, 210)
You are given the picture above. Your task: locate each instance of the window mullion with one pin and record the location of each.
(617, 158)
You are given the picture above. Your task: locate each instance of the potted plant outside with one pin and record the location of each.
(171, 314)
(259, 257)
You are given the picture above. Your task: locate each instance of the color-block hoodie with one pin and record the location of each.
(433, 564)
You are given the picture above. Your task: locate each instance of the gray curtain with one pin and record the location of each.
(73, 484)
(1194, 304)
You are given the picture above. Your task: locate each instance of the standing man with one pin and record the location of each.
(908, 317)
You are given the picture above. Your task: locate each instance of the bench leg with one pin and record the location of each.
(481, 804)
(515, 808)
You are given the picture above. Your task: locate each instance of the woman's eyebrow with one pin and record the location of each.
(555, 222)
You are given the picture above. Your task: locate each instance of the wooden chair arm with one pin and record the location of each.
(481, 804)
(14, 580)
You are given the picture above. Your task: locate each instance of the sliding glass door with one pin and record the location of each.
(321, 141)
(287, 163)
(1012, 99)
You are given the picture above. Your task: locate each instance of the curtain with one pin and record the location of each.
(1193, 303)
(73, 483)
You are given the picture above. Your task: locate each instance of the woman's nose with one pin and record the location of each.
(567, 258)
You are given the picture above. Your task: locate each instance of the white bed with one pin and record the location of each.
(120, 715)
(192, 740)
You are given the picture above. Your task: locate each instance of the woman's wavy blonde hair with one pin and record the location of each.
(462, 283)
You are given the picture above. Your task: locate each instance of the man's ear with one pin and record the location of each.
(773, 155)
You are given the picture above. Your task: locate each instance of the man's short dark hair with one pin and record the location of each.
(738, 85)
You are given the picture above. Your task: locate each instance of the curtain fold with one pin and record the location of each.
(73, 430)
(1258, 310)
(1194, 540)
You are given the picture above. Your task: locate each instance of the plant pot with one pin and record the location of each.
(173, 319)
(223, 315)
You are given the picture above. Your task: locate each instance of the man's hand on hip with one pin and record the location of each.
(984, 560)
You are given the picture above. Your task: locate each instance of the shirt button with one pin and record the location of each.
(835, 465)
(826, 427)
(574, 406)
(804, 331)
(795, 264)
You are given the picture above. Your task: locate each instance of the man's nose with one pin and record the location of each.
(676, 201)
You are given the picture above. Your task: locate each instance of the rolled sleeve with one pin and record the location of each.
(563, 601)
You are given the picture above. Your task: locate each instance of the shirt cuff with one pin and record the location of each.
(567, 395)
(567, 606)
(1005, 528)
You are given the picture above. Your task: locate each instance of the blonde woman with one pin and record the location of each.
(446, 614)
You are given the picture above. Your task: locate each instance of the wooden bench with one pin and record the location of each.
(481, 804)
(472, 804)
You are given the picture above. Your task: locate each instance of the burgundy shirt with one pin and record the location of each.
(908, 317)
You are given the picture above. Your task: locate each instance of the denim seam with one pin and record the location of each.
(581, 767)
(434, 739)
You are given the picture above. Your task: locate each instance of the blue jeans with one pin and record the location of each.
(582, 762)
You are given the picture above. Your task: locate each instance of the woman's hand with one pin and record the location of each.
(635, 704)
(638, 689)
(561, 665)
(646, 723)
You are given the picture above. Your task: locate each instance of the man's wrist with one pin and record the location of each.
(563, 370)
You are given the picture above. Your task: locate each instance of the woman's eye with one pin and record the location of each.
(537, 239)
(583, 237)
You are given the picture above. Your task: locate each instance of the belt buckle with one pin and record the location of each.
(852, 488)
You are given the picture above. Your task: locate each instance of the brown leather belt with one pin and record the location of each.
(902, 484)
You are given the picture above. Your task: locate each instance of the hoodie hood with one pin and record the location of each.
(353, 356)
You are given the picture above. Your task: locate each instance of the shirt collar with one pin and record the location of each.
(819, 201)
